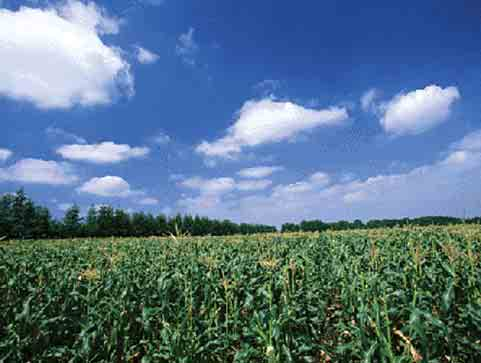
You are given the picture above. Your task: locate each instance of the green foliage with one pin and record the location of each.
(20, 218)
(72, 222)
(319, 226)
(391, 295)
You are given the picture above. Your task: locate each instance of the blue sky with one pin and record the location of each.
(263, 112)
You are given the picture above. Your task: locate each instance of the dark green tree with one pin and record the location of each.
(105, 221)
(72, 222)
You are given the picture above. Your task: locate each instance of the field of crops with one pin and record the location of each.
(398, 295)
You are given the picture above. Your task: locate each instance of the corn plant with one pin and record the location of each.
(388, 295)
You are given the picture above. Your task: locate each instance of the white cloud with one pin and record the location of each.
(37, 171)
(347, 177)
(145, 56)
(89, 16)
(161, 138)
(319, 179)
(210, 192)
(187, 48)
(471, 142)
(355, 197)
(448, 186)
(148, 201)
(268, 121)
(368, 100)
(103, 153)
(54, 57)
(5, 154)
(109, 186)
(56, 132)
(259, 171)
(203, 204)
(214, 186)
(314, 182)
(252, 185)
(418, 111)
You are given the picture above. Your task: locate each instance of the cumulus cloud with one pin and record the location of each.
(148, 201)
(161, 138)
(354, 197)
(37, 171)
(5, 154)
(210, 192)
(418, 111)
(269, 121)
(368, 100)
(319, 179)
(187, 47)
(252, 185)
(314, 182)
(103, 153)
(56, 132)
(145, 56)
(447, 186)
(209, 186)
(471, 142)
(89, 16)
(55, 57)
(224, 185)
(109, 186)
(217, 191)
(259, 171)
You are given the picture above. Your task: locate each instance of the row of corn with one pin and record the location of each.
(397, 295)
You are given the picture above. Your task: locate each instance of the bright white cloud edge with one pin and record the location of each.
(145, 56)
(5, 154)
(268, 121)
(102, 153)
(418, 111)
(109, 186)
(64, 62)
(38, 171)
(259, 171)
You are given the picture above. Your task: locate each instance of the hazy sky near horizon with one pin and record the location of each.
(257, 111)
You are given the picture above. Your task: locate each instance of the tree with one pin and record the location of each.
(290, 227)
(122, 223)
(357, 224)
(6, 215)
(72, 222)
(175, 225)
(141, 226)
(91, 226)
(105, 221)
(161, 225)
(18, 215)
(42, 223)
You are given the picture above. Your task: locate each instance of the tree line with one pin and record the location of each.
(320, 226)
(21, 218)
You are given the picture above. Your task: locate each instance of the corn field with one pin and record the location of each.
(387, 295)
